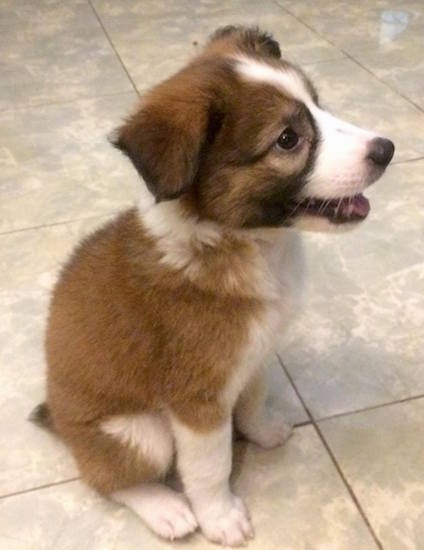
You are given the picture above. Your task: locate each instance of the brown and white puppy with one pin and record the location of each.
(161, 320)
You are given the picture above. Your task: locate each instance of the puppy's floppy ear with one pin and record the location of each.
(165, 139)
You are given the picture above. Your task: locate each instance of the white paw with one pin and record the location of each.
(230, 527)
(172, 518)
(163, 510)
(271, 430)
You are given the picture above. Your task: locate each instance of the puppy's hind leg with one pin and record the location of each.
(126, 460)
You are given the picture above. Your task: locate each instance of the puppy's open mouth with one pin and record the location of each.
(346, 209)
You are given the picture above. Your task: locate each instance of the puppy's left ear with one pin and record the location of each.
(165, 139)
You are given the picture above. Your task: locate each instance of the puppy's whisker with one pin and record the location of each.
(295, 209)
(338, 207)
(310, 201)
(324, 206)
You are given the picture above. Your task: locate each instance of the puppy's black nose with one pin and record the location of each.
(380, 151)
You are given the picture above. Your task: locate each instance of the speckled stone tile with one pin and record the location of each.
(54, 51)
(386, 37)
(29, 456)
(153, 47)
(375, 24)
(31, 259)
(381, 454)
(57, 165)
(295, 496)
(358, 340)
(29, 263)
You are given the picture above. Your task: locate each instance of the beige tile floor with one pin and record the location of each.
(352, 370)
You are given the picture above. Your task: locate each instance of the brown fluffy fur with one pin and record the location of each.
(141, 338)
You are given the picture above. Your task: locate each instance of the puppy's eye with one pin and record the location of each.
(288, 139)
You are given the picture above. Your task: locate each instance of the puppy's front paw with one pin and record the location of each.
(271, 430)
(228, 526)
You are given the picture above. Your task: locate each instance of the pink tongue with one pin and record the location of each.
(357, 206)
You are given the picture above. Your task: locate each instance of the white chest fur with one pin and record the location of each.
(281, 277)
(283, 270)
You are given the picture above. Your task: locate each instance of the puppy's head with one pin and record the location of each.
(240, 133)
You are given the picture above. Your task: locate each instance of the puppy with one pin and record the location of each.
(161, 320)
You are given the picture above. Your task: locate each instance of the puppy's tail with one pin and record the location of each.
(41, 417)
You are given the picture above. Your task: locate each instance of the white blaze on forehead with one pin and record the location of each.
(287, 78)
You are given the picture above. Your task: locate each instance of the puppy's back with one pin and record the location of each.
(90, 329)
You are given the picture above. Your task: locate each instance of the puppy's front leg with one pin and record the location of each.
(204, 464)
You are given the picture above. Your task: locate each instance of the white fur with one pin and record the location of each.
(287, 78)
(177, 233)
(204, 464)
(259, 415)
(149, 433)
(279, 276)
(165, 512)
(146, 200)
(267, 428)
(341, 169)
(271, 428)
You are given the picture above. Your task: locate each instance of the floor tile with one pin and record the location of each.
(358, 340)
(57, 165)
(31, 259)
(380, 453)
(400, 68)
(376, 25)
(29, 262)
(295, 496)
(141, 41)
(385, 37)
(29, 456)
(55, 51)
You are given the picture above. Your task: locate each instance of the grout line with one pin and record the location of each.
(348, 486)
(371, 408)
(333, 459)
(40, 487)
(299, 20)
(350, 56)
(112, 45)
(324, 61)
(302, 424)
(308, 412)
(55, 224)
(396, 162)
(389, 86)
